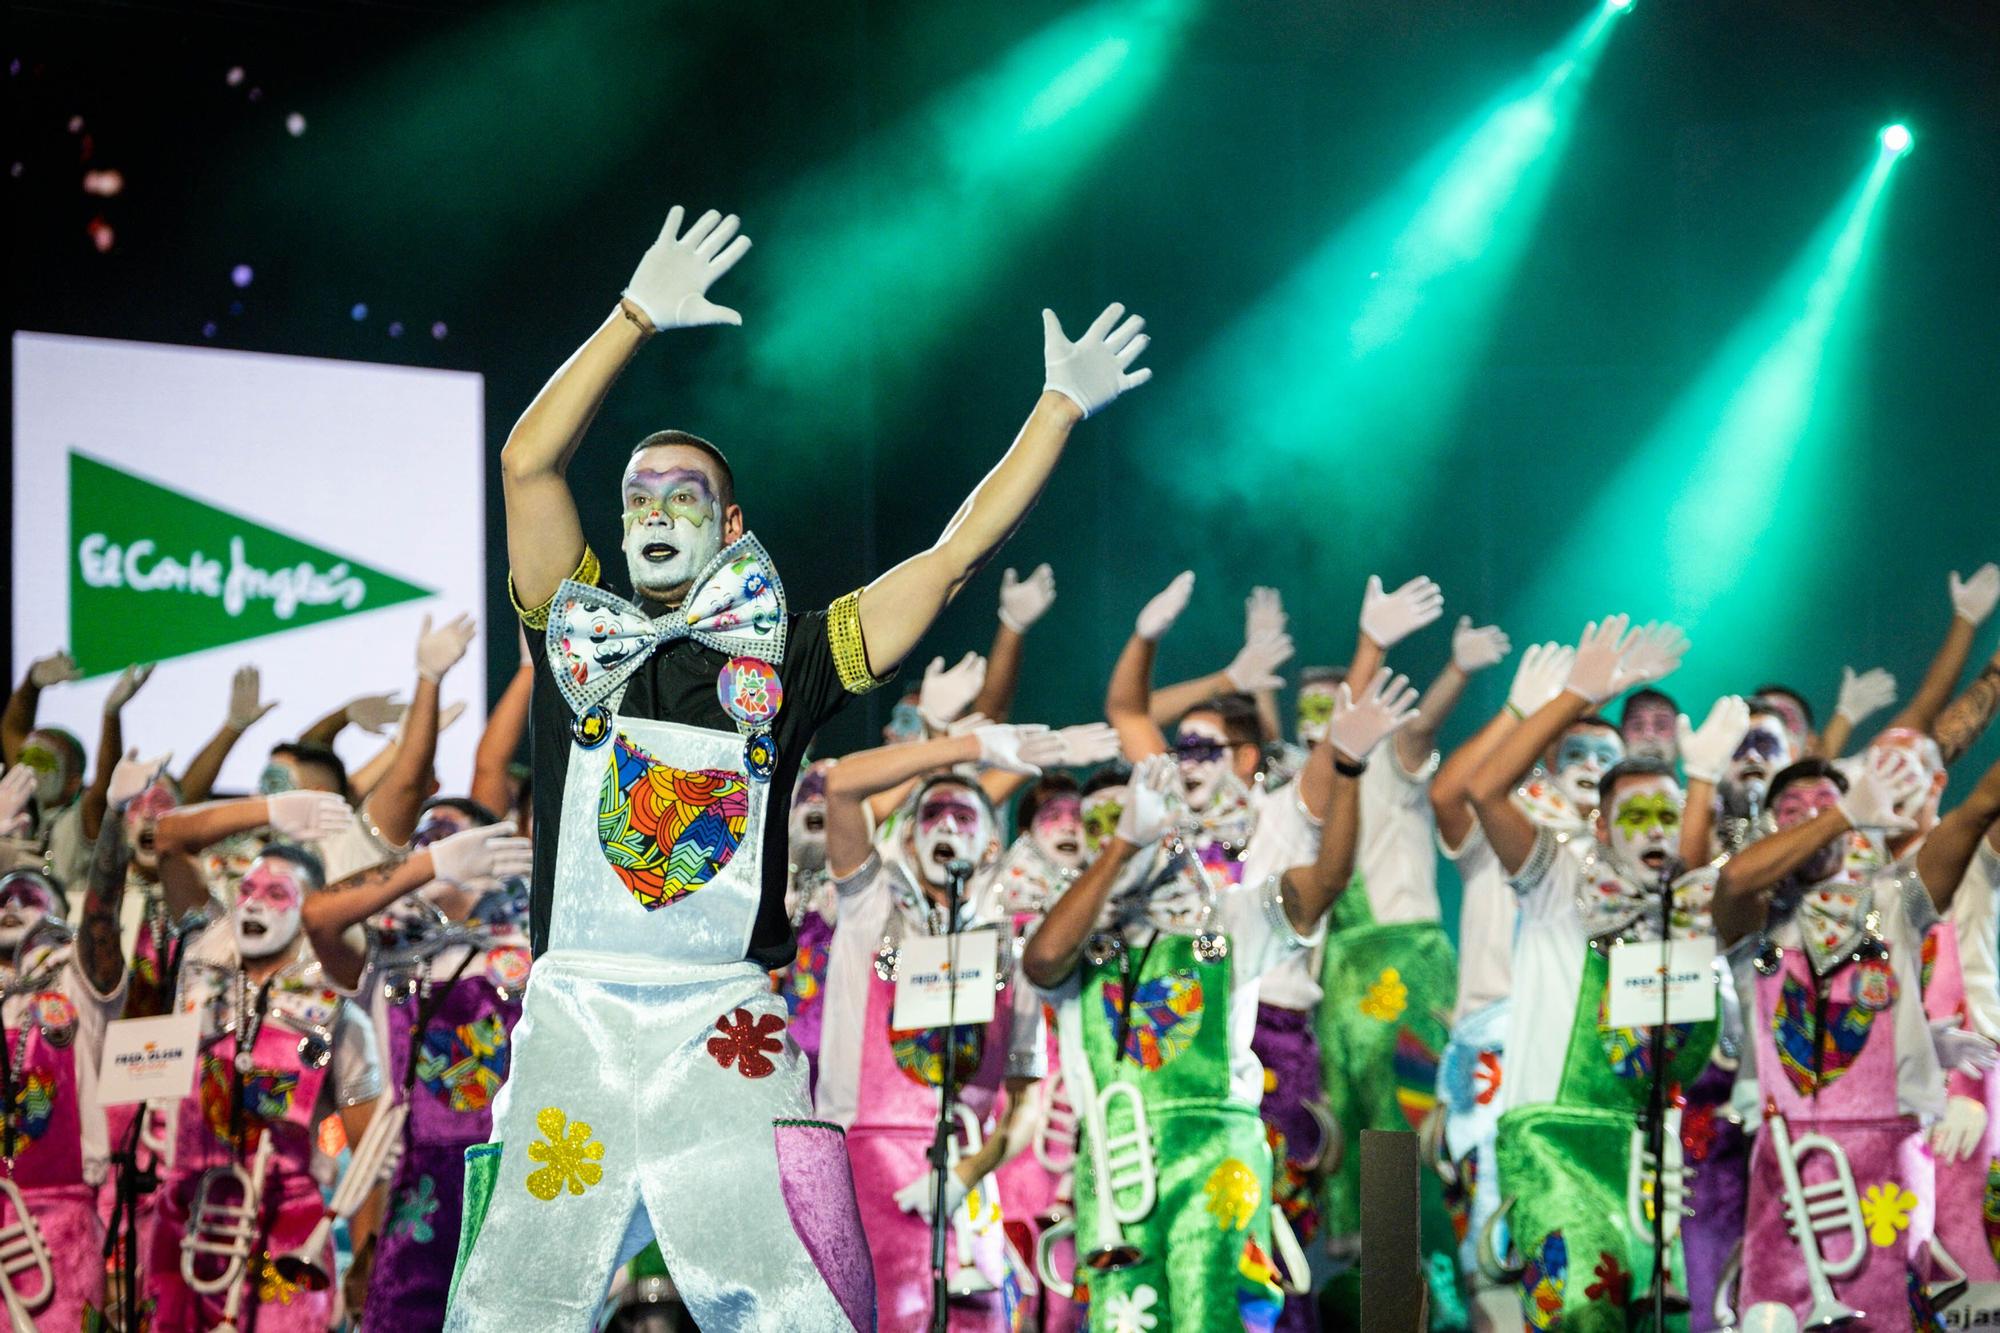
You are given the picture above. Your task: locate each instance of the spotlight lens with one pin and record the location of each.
(1896, 138)
(1618, 4)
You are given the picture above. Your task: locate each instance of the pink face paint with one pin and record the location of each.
(270, 888)
(1802, 801)
(946, 811)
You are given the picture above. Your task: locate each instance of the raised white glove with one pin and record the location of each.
(375, 713)
(1097, 367)
(1961, 1049)
(1390, 617)
(307, 816)
(57, 668)
(1876, 788)
(1540, 677)
(1087, 743)
(1024, 601)
(439, 650)
(1957, 1133)
(969, 723)
(1264, 615)
(1869, 692)
(1385, 707)
(672, 281)
(947, 692)
(1474, 648)
(1972, 599)
(16, 786)
(1148, 812)
(132, 775)
(1593, 669)
(1255, 666)
(128, 683)
(1705, 753)
(1019, 749)
(1653, 653)
(1158, 616)
(915, 1197)
(246, 699)
(488, 852)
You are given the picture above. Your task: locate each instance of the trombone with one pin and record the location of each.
(227, 1230)
(23, 1250)
(373, 1158)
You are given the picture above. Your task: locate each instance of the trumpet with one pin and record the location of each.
(1813, 1210)
(1671, 1174)
(1055, 1137)
(227, 1230)
(1124, 1163)
(373, 1158)
(22, 1250)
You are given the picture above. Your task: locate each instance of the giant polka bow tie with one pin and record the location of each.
(597, 639)
(1611, 904)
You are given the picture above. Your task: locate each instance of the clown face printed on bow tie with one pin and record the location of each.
(1315, 710)
(142, 821)
(1648, 727)
(1920, 751)
(676, 512)
(1800, 801)
(1642, 827)
(952, 824)
(26, 900)
(1765, 749)
(807, 829)
(265, 919)
(1100, 812)
(1582, 757)
(1057, 829)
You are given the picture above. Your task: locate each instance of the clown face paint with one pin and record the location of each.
(142, 820)
(1797, 730)
(673, 527)
(906, 722)
(951, 825)
(1202, 750)
(1583, 757)
(1921, 751)
(266, 916)
(1799, 802)
(49, 758)
(1649, 730)
(1643, 826)
(1315, 711)
(26, 900)
(1101, 812)
(807, 829)
(1058, 829)
(1765, 750)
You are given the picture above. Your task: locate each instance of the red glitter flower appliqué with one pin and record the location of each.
(1486, 1078)
(745, 1040)
(1698, 1133)
(1613, 1284)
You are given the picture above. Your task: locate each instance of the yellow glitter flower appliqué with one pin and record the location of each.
(1886, 1209)
(1233, 1195)
(571, 1156)
(273, 1288)
(1387, 998)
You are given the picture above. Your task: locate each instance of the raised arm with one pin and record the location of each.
(301, 816)
(1539, 678)
(856, 777)
(393, 803)
(98, 954)
(247, 707)
(1473, 649)
(1949, 849)
(1861, 696)
(1128, 697)
(1965, 720)
(1056, 946)
(19, 718)
(1082, 377)
(1705, 753)
(1022, 603)
(501, 741)
(1357, 728)
(1971, 602)
(110, 745)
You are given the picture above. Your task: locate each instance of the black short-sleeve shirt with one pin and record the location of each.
(678, 684)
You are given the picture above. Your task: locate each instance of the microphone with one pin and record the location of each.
(959, 868)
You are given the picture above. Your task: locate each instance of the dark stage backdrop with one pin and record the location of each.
(921, 179)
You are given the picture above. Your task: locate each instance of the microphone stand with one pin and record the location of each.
(1656, 1110)
(956, 873)
(133, 1183)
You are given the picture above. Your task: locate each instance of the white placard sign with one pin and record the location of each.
(925, 979)
(1638, 970)
(148, 1059)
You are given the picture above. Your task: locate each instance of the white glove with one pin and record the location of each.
(1086, 744)
(246, 699)
(1476, 648)
(307, 816)
(1540, 677)
(672, 281)
(1019, 749)
(947, 692)
(1877, 787)
(915, 1197)
(132, 775)
(1705, 753)
(128, 683)
(1385, 707)
(1148, 812)
(1097, 367)
(1389, 618)
(1264, 615)
(1972, 599)
(1961, 1049)
(968, 724)
(1652, 654)
(57, 668)
(1869, 692)
(1255, 666)
(16, 786)
(375, 713)
(439, 650)
(1958, 1131)
(452, 712)
(1158, 616)
(1024, 601)
(488, 852)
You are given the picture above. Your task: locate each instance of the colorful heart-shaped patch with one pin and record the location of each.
(667, 831)
(1166, 1016)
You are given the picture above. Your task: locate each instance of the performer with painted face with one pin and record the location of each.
(1153, 967)
(668, 732)
(1828, 946)
(1574, 1168)
(811, 903)
(879, 1082)
(1964, 1144)
(281, 1050)
(1647, 725)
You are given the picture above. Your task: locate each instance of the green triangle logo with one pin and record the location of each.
(154, 574)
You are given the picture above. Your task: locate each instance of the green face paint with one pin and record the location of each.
(1647, 813)
(1100, 823)
(39, 758)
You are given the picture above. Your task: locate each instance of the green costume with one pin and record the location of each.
(1206, 1242)
(1566, 1168)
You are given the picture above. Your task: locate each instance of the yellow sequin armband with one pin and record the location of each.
(588, 572)
(850, 651)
